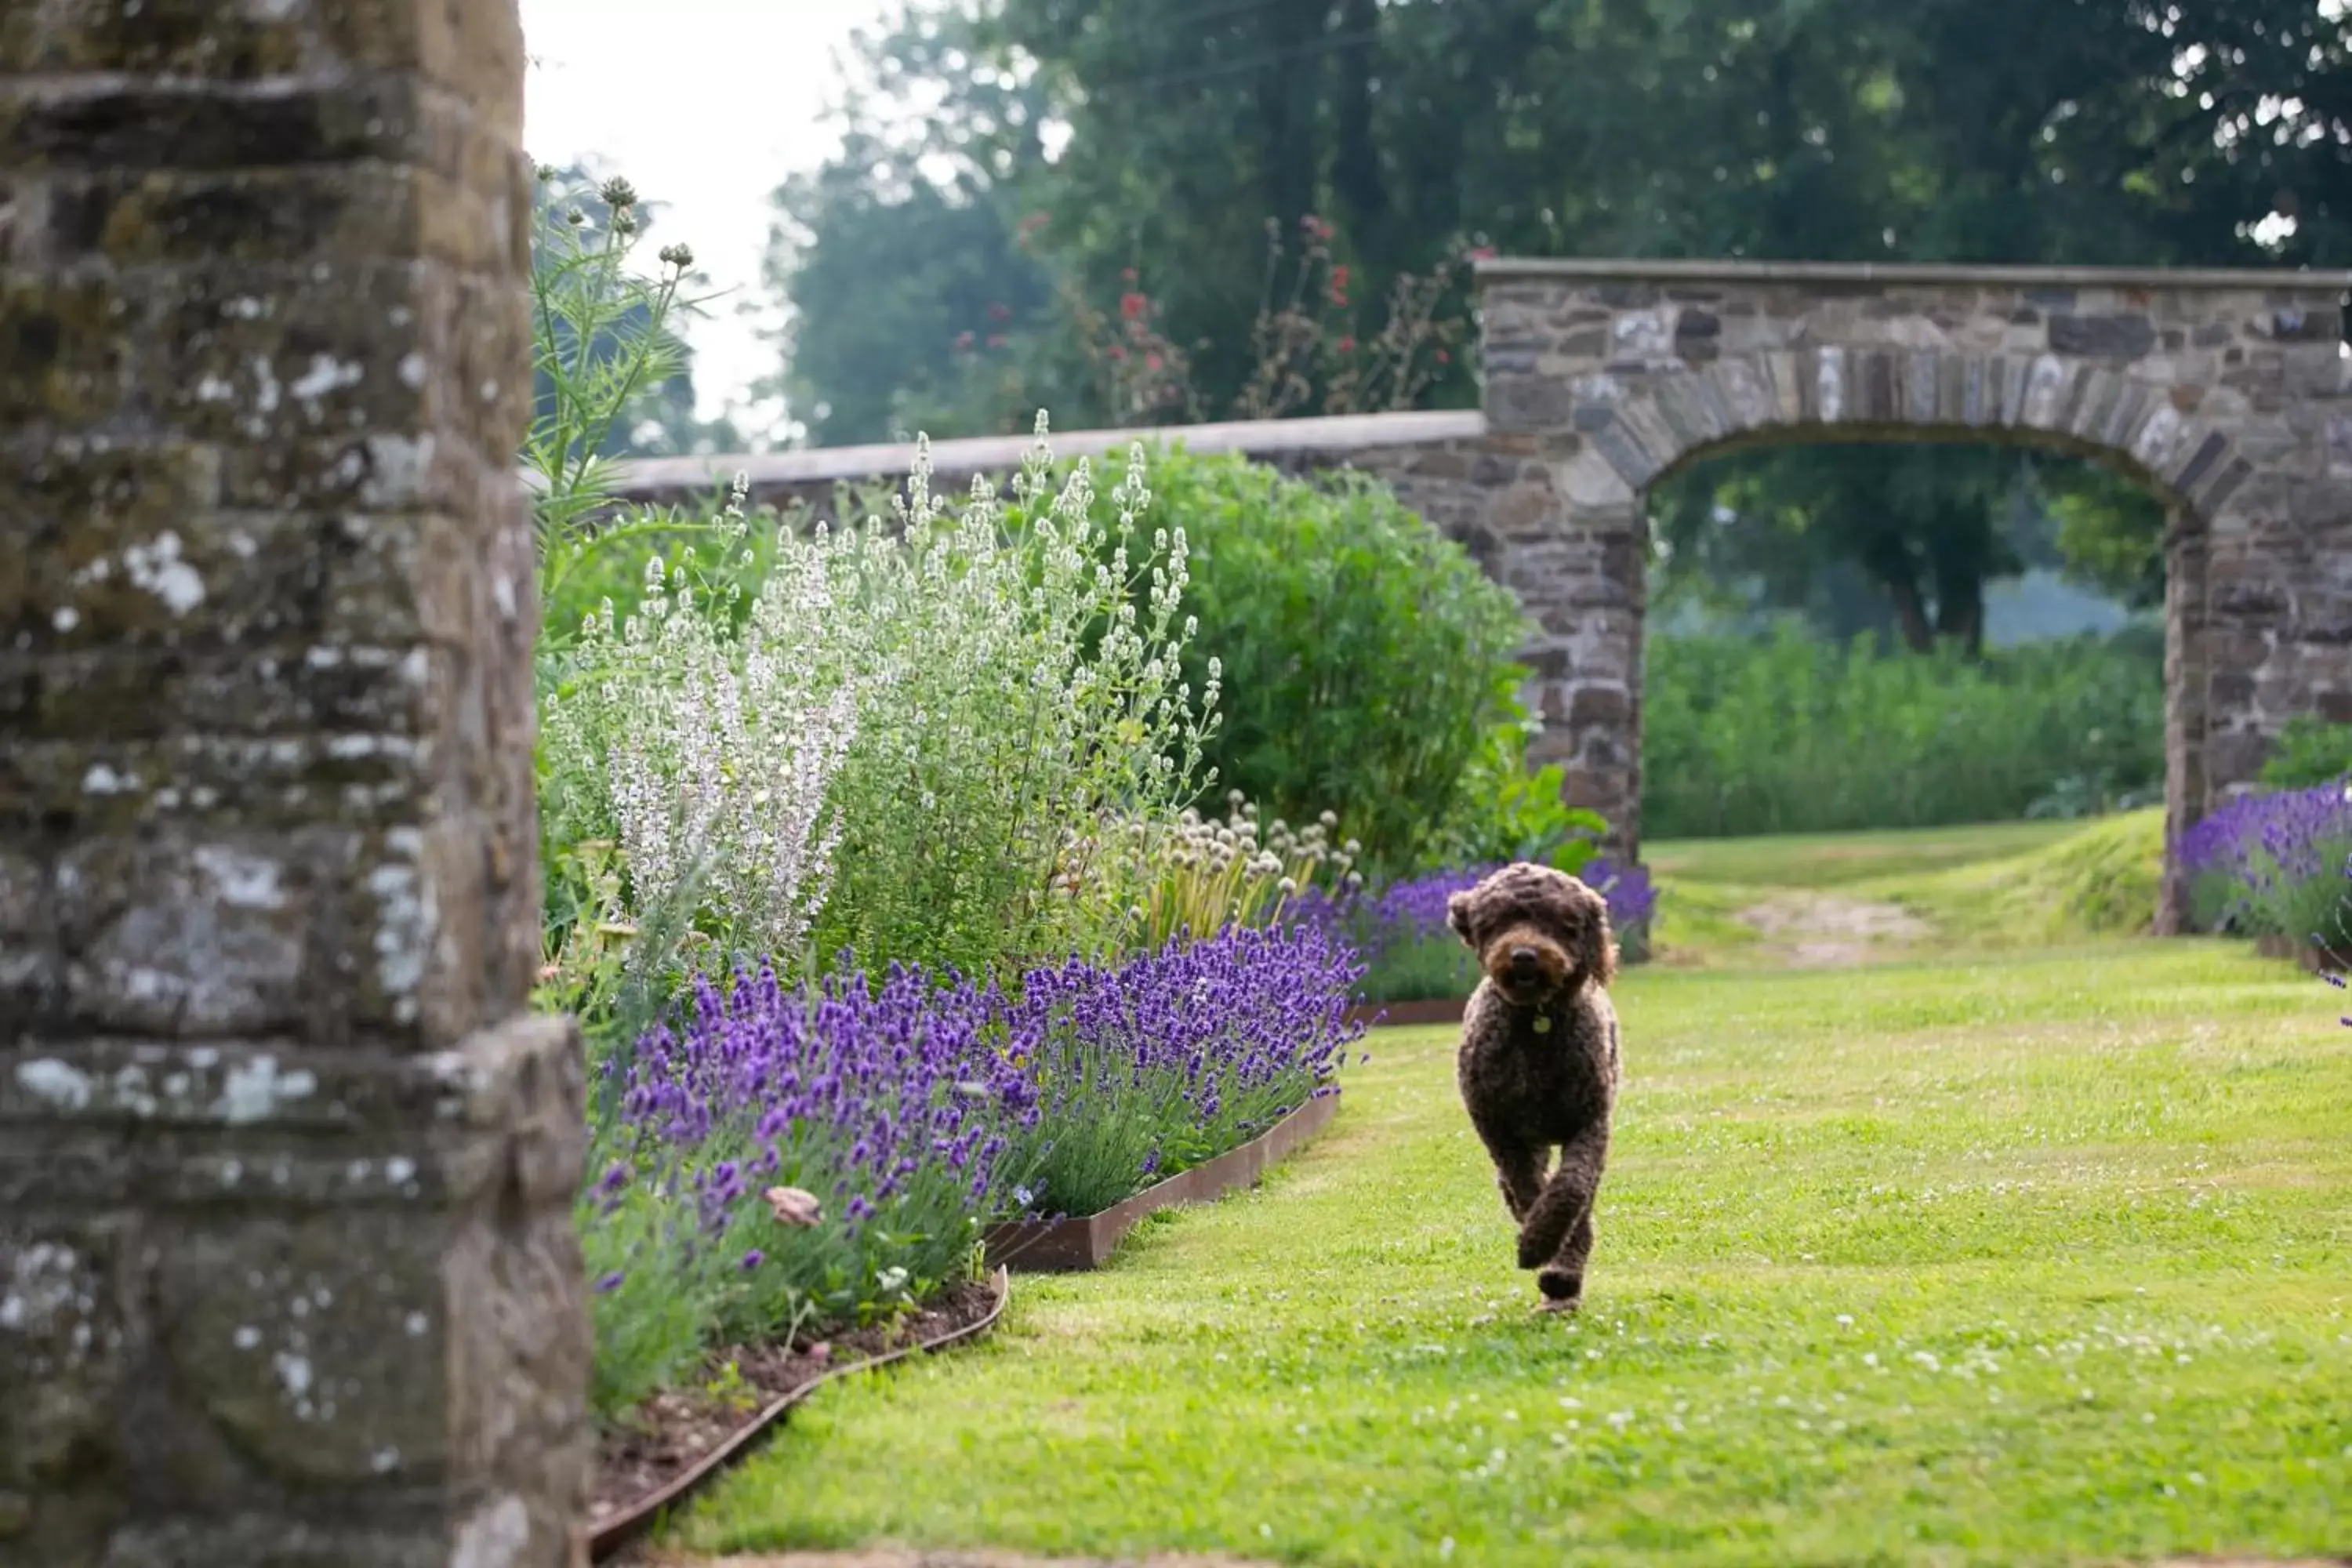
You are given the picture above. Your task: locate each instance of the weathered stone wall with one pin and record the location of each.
(813, 479)
(287, 1268)
(2225, 392)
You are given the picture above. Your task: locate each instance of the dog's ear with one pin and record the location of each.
(1458, 910)
(1596, 949)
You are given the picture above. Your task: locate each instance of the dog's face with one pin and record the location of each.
(1538, 933)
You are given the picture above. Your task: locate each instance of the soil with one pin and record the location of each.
(1823, 930)
(670, 1433)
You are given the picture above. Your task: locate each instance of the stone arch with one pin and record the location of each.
(2221, 392)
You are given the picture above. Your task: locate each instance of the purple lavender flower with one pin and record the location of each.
(2264, 863)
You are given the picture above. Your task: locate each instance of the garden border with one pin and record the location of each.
(1086, 1241)
(1409, 1014)
(600, 1541)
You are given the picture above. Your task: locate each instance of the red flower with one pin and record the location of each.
(1126, 274)
(963, 342)
(1346, 345)
(1118, 351)
(1339, 299)
(1000, 311)
(1339, 278)
(1444, 358)
(997, 340)
(1483, 253)
(1131, 305)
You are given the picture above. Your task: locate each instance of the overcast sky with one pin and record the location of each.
(705, 105)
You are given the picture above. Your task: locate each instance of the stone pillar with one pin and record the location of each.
(2186, 666)
(287, 1268)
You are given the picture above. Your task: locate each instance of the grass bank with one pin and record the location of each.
(2035, 1257)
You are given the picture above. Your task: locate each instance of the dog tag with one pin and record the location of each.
(1543, 1023)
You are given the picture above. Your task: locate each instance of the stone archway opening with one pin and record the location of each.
(2221, 392)
(2009, 681)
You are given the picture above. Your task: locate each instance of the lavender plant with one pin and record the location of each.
(2265, 865)
(1149, 1068)
(782, 1155)
(1410, 954)
(823, 1152)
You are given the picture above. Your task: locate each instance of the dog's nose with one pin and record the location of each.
(1523, 959)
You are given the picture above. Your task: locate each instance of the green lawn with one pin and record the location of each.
(1833, 859)
(2036, 1258)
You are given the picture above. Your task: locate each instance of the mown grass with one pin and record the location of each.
(1987, 888)
(1835, 860)
(2040, 1257)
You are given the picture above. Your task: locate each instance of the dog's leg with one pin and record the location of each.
(1518, 1167)
(1555, 1238)
(1562, 1280)
(1520, 1173)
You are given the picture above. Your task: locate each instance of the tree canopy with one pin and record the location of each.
(1031, 189)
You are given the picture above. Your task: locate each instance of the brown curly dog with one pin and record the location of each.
(1538, 1065)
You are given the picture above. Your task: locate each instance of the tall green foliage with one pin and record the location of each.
(1365, 658)
(1791, 735)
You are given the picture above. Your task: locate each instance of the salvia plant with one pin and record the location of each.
(1029, 688)
(702, 745)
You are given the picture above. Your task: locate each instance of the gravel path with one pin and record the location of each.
(1824, 931)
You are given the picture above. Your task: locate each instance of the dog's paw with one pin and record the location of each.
(1562, 1291)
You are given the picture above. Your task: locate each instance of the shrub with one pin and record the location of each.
(1503, 811)
(2310, 751)
(2266, 865)
(1789, 734)
(1365, 658)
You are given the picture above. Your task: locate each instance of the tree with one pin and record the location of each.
(2188, 133)
(900, 260)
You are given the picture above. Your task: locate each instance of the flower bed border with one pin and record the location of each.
(1086, 1241)
(1409, 1014)
(608, 1536)
(2309, 955)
